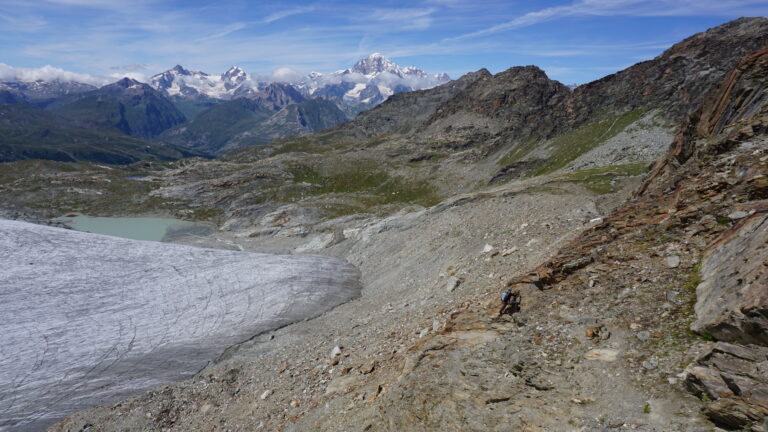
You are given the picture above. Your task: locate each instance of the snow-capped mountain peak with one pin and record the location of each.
(233, 77)
(372, 80)
(179, 70)
(179, 81)
(375, 64)
(234, 72)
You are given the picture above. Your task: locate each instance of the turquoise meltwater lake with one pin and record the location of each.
(137, 228)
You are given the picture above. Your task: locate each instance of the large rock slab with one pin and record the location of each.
(89, 319)
(734, 381)
(732, 300)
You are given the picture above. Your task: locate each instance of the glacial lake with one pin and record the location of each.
(138, 228)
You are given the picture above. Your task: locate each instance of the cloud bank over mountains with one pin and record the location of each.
(50, 73)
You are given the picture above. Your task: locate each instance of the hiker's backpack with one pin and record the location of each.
(505, 296)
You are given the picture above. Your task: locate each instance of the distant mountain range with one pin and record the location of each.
(41, 92)
(193, 111)
(370, 81)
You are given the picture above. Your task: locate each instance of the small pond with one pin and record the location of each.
(138, 228)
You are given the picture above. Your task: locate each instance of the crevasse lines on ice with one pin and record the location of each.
(95, 318)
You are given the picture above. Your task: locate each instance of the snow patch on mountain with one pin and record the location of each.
(179, 81)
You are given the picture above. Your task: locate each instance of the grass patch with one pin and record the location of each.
(50, 189)
(602, 180)
(518, 152)
(569, 146)
(302, 145)
(367, 184)
(312, 145)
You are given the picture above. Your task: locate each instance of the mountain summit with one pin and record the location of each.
(371, 81)
(375, 64)
(233, 77)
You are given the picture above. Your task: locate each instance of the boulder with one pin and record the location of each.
(673, 261)
(734, 379)
(732, 299)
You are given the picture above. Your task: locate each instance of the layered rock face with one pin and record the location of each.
(734, 376)
(90, 319)
(732, 299)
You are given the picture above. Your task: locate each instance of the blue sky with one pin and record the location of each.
(575, 41)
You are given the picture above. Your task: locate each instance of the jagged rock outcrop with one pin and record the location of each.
(128, 105)
(675, 80)
(521, 99)
(89, 319)
(405, 112)
(734, 378)
(277, 96)
(734, 111)
(732, 300)
(522, 104)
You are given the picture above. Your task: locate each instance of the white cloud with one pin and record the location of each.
(624, 8)
(46, 73)
(285, 74)
(225, 31)
(285, 14)
(130, 67)
(23, 23)
(407, 18)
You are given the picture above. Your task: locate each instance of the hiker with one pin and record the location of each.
(515, 302)
(509, 300)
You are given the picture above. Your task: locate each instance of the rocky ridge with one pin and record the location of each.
(128, 105)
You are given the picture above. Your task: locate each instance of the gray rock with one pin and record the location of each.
(336, 351)
(738, 215)
(602, 354)
(509, 251)
(651, 363)
(644, 335)
(674, 297)
(452, 284)
(90, 319)
(673, 261)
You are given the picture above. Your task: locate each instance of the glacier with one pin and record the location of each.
(90, 319)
